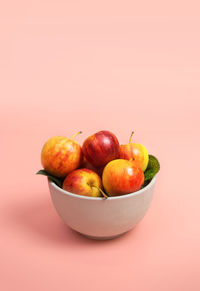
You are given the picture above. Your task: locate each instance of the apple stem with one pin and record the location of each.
(131, 136)
(76, 134)
(104, 194)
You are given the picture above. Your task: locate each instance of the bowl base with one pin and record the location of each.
(102, 237)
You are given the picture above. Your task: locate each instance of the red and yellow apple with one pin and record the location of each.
(61, 155)
(122, 177)
(101, 148)
(135, 151)
(83, 182)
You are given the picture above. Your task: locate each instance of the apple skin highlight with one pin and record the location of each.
(122, 177)
(61, 155)
(101, 148)
(83, 182)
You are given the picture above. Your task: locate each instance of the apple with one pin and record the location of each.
(101, 148)
(84, 182)
(135, 151)
(87, 165)
(61, 155)
(122, 177)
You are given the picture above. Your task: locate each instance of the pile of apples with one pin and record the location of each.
(101, 167)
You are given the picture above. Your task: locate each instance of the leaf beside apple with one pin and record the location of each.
(56, 180)
(152, 168)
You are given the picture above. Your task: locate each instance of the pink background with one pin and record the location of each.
(92, 65)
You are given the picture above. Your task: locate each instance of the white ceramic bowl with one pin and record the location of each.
(101, 218)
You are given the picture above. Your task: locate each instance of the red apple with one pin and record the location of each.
(61, 155)
(122, 177)
(83, 182)
(101, 148)
(87, 165)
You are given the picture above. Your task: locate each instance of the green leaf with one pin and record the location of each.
(56, 180)
(152, 168)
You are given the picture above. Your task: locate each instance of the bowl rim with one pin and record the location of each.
(102, 198)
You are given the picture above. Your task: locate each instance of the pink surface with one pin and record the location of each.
(87, 66)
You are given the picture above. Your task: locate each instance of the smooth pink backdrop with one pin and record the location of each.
(67, 66)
